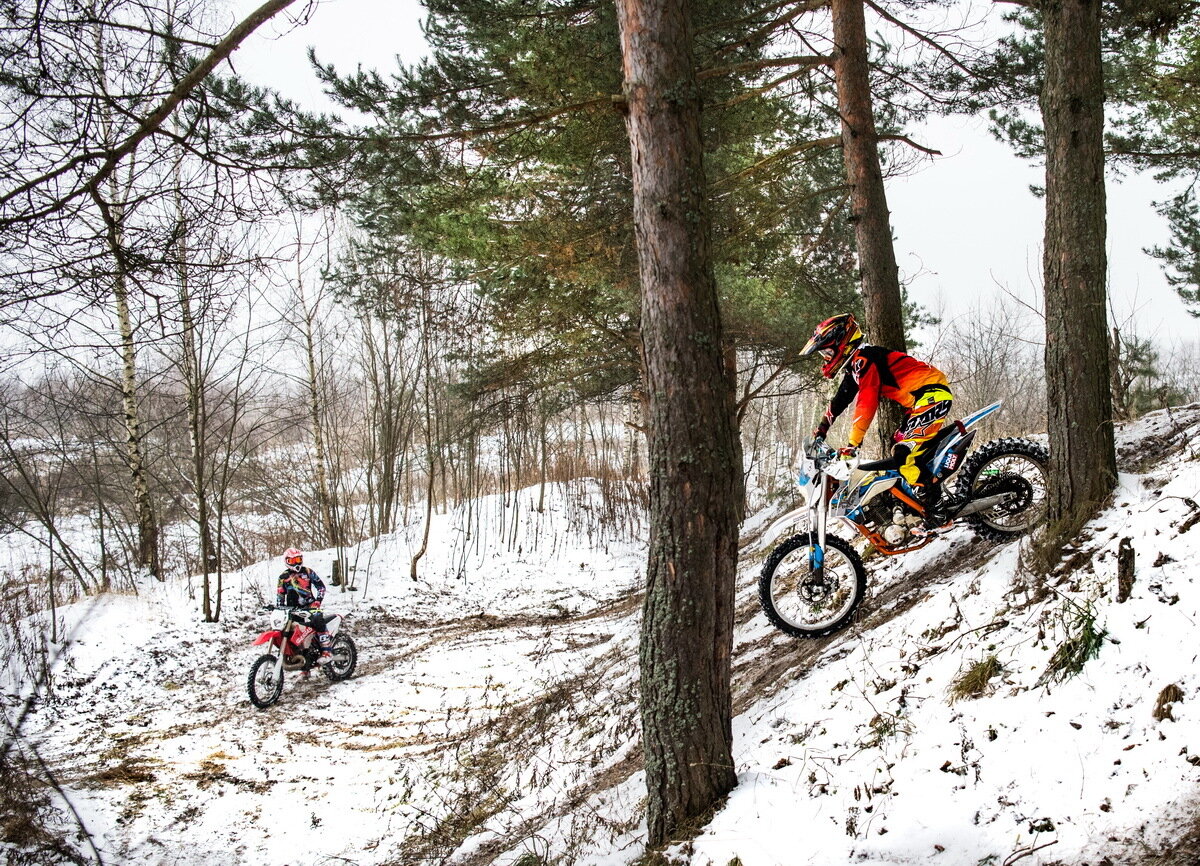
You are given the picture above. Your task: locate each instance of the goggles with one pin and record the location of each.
(294, 560)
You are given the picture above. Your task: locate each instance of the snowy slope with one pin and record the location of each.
(493, 716)
(867, 760)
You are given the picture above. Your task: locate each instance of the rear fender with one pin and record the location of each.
(974, 418)
(969, 423)
(333, 622)
(950, 457)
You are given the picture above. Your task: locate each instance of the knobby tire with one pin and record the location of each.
(980, 460)
(766, 595)
(264, 699)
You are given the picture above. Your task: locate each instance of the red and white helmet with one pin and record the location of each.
(835, 339)
(293, 558)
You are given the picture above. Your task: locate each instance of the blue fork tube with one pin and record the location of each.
(816, 553)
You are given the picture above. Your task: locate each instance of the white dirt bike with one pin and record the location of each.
(813, 582)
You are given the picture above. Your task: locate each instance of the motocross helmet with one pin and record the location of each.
(293, 558)
(834, 340)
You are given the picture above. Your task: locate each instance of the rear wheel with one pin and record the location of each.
(265, 682)
(1016, 469)
(345, 657)
(804, 601)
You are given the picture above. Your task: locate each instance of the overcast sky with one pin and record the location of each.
(968, 230)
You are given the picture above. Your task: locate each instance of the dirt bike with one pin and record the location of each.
(812, 583)
(292, 646)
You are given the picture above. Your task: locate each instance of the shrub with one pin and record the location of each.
(1083, 642)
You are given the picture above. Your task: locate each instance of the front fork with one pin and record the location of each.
(283, 639)
(816, 552)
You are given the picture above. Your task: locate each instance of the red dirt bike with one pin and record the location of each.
(292, 646)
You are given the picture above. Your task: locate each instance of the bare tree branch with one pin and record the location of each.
(113, 156)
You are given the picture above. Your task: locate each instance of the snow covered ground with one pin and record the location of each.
(493, 715)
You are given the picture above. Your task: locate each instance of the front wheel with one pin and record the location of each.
(1015, 468)
(265, 683)
(345, 657)
(805, 601)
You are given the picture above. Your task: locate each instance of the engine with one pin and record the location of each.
(882, 516)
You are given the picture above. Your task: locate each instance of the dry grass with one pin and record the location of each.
(1184, 851)
(1170, 695)
(128, 772)
(34, 831)
(212, 772)
(973, 682)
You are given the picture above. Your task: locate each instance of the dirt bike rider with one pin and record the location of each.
(300, 587)
(873, 372)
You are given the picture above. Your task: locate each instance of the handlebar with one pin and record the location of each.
(819, 451)
(290, 609)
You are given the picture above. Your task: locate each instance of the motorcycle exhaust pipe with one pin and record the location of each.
(987, 502)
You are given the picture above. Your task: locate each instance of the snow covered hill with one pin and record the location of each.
(493, 716)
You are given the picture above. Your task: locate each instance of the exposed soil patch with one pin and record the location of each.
(130, 771)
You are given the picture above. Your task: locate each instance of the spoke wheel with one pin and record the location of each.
(265, 683)
(345, 658)
(1016, 467)
(804, 601)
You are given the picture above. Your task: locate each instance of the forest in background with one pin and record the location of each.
(264, 327)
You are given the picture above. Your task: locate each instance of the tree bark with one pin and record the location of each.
(880, 276)
(113, 214)
(695, 457)
(147, 554)
(429, 457)
(147, 524)
(1079, 411)
(197, 432)
(325, 504)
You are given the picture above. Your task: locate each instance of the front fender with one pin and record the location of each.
(275, 638)
(784, 525)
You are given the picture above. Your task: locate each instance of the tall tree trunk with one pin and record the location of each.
(50, 589)
(695, 459)
(147, 523)
(320, 458)
(543, 460)
(197, 426)
(880, 275)
(430, 461)
(113, 213)
(1079, 412)
(101, 535)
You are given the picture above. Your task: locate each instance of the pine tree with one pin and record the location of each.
(1079, 402)
(695, 458)
(505, 157)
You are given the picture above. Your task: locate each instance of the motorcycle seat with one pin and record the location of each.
(931, 449)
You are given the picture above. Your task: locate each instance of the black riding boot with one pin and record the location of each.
(935, 509)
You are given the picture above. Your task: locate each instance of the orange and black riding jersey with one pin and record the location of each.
(873, 372)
